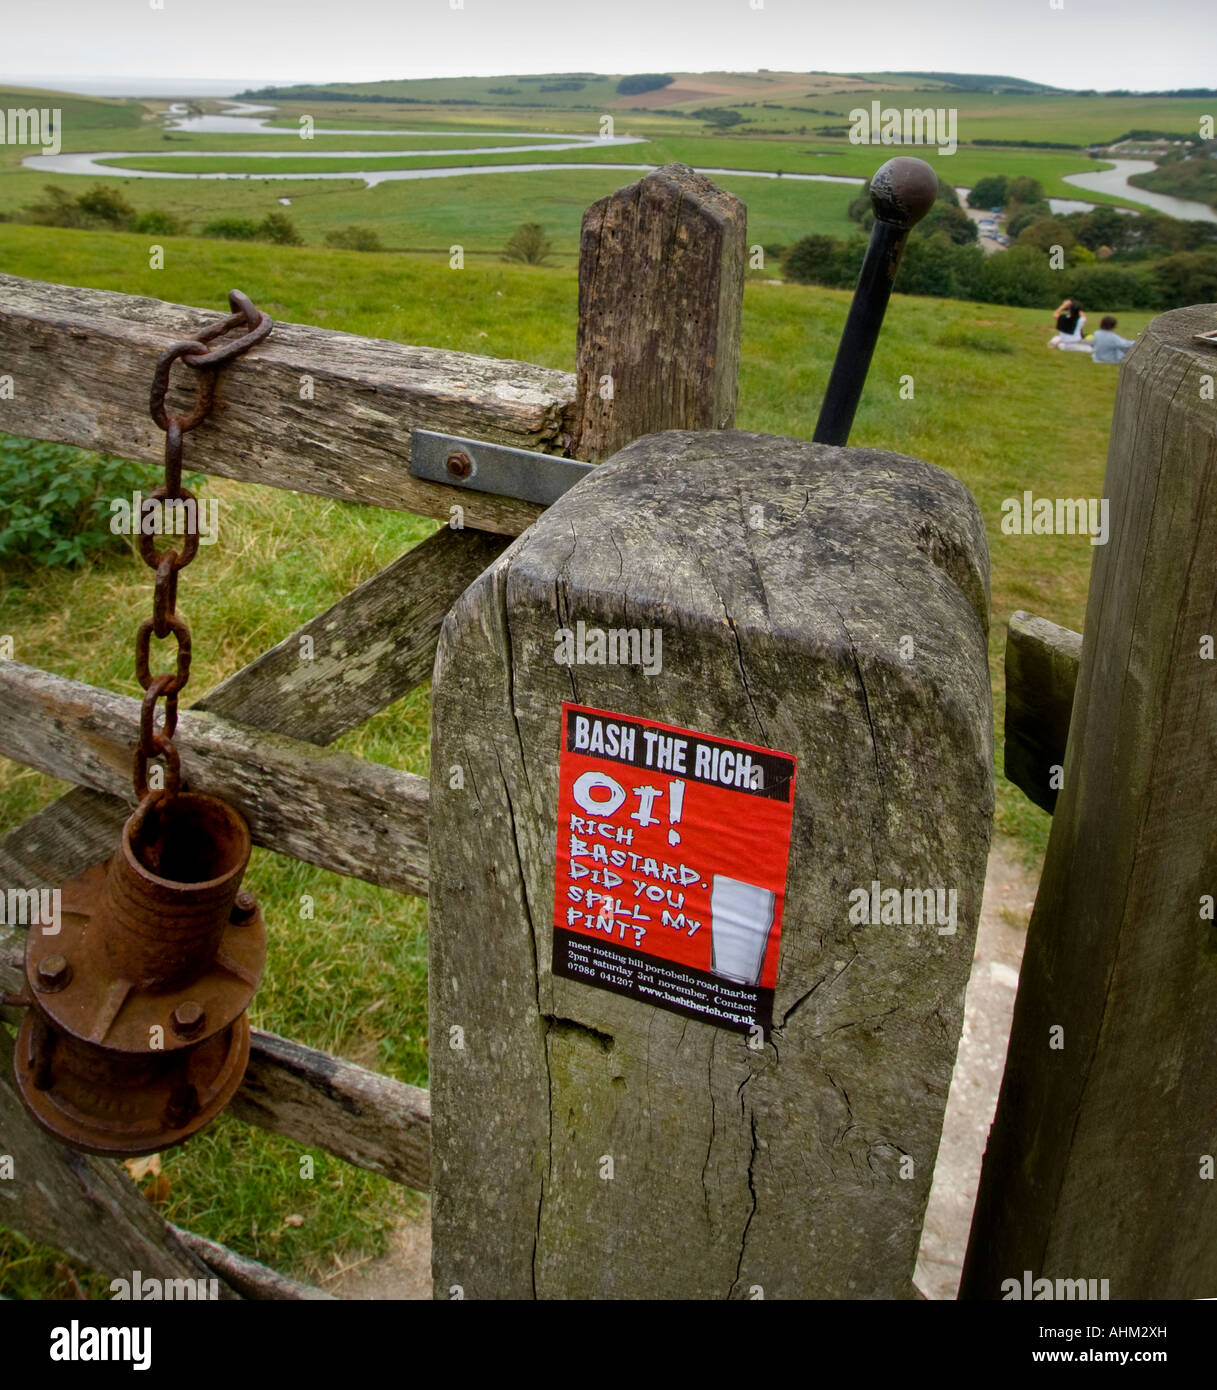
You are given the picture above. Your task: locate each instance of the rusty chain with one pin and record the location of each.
(154, 742)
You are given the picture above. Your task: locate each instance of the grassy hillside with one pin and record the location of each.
(991, 406)
(478, 212)
(80, 113)
(792, 102)
(583, 89)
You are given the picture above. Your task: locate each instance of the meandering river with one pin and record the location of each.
(242, 118)
(1115, 182)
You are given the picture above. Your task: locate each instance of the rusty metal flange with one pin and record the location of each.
(136, 1037)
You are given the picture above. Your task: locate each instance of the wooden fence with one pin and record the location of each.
(847, 628)
(81, 360)
(1101, 1159)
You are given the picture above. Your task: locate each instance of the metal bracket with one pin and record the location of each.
(476, 466)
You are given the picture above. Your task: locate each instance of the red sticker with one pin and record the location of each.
(671, 865)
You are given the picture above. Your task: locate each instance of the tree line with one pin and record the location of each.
(1102, 257)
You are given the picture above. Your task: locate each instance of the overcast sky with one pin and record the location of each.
(1085, 43)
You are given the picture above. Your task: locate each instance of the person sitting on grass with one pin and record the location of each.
(1070, 321)
(1108, 345)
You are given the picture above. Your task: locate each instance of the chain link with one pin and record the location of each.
(173, 498)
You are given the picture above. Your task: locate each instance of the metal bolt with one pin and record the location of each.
(459, 464)
(244, 907)
(53, 973)
(188, 1018)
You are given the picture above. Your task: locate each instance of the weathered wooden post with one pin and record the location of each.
(661, 277)
(711, 794)
(1041, 678)
(1100, 1161)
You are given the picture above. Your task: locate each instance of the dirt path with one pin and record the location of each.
(1009, 896)
(404, 1272)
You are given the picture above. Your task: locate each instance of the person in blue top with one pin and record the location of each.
(1108, 345)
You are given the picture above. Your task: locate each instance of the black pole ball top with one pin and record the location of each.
(903, 191)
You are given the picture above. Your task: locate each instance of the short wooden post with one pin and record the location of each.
(1099, 1164)
(661, 283)
(1041, 676)
(831, 605)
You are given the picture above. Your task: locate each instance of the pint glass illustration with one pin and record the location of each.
(741, 915)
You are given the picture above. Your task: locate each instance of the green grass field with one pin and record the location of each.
(480, 212)
(991, 406)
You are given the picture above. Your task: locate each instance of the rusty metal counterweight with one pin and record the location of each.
(136, 1035)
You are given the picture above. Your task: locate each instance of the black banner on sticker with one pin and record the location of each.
(693, 757)
(679, 988)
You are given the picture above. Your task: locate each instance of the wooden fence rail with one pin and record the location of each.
(329, 809)
(89, 1208)
(81, 361)
(354, 1114)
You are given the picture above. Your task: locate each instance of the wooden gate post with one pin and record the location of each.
(830, 604)
(661, 283)
(1096, 1165)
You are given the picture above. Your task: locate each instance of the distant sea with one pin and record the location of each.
(135, 86)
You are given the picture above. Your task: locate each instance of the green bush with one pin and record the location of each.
(1020, 216)
(56, 209)
(354, 239)
(103, 207)
(952, 221)
(55, 500)
(823, 260)
(1103, 226)
(1020, 276)
(935, 265)
(157, 223)
(1188, 278)
(528, 245)
(232, 229)
(1024, 190)
(989, 192)
(279, 228)
(1103, 287)
(107, 206)
(1046, 232)
(276, 227)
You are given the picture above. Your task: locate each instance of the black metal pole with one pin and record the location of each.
(901, 193)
